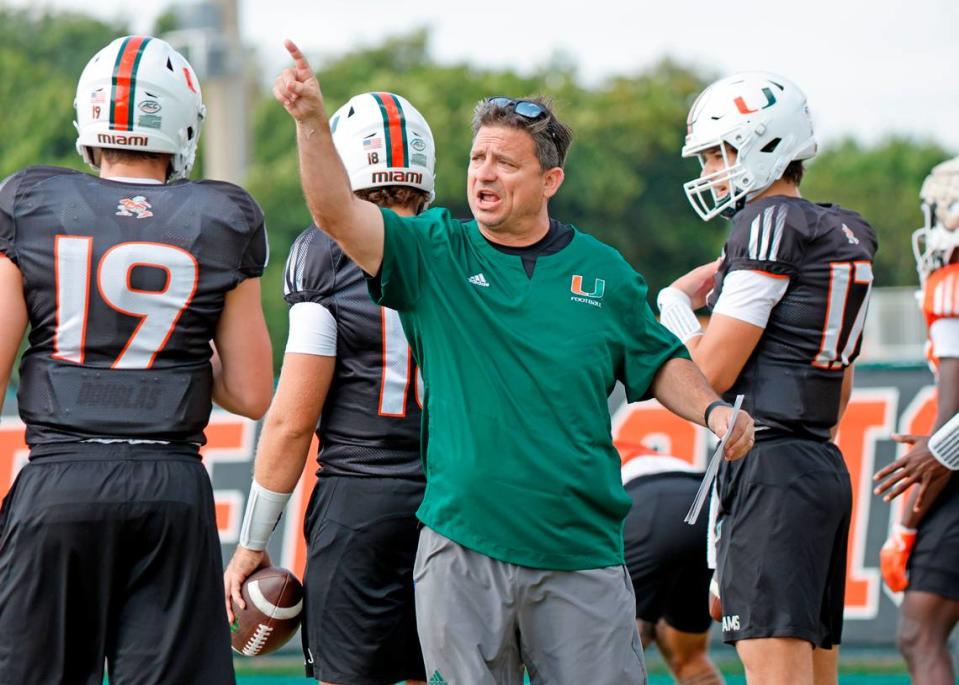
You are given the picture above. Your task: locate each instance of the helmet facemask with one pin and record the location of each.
(702, 194)
(934, 244)
(936, 241)
(764, 118)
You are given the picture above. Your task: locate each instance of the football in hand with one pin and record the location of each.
(274, 603)
(715, 606)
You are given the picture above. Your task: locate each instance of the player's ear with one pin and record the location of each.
(552, 180)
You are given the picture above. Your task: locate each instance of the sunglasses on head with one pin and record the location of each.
(525, 108)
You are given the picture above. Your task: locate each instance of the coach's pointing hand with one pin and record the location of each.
(743, 434)
(298, 89)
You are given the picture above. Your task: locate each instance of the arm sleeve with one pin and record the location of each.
(310, 273)
(649, 346)
(944, 444)
(770, 238)
(944, 336)
(312, 330)
(399, 284)
(8, 226)
(750, 296)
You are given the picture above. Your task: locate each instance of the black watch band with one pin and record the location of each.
(713, 405)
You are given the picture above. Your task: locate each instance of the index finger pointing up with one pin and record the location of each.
(298, 59)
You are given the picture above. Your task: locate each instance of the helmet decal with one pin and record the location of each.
(743, 109)
(125, 82)
(383, 140)
(139, 94)
(394, 126)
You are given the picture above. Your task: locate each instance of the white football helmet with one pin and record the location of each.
(934, 244)
(138, 93)
(384, 141)
(764, 118)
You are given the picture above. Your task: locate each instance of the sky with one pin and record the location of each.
(869, 69)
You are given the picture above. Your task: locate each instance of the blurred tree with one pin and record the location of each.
(63, 41)
(624, 174)
(166, 22)
(41, 55)
(881, 183)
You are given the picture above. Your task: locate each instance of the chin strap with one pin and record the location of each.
(732, 209)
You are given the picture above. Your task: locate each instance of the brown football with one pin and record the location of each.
(715, 605)
(274, 603)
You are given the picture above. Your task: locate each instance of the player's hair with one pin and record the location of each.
(115, 156)
(396, 196)
(551, 136)
(794, 172)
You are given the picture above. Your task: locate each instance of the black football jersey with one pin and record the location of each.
(793, 378)
(370, 424)
(124, 284)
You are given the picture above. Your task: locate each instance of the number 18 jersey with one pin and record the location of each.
(370, 424)
(792, 380)
(124, 285)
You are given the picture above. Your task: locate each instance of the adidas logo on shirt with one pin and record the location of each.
(479, 279)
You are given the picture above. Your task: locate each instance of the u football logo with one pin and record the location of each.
(745, 109)
(599, 288)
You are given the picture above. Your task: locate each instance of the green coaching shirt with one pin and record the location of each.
(519, 460)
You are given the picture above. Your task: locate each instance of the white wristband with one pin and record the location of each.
(944, 444)
(903, 530)
(676, 314)
(263, 510)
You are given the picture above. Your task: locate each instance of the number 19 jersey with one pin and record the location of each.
(792, 380)
(370, 424)
(124, 285)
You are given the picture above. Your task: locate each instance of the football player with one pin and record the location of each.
(108, 539)
(667, 562)
(349, 376)
(920, 556)
(789, 297)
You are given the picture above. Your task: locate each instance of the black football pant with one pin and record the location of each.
(110, 552)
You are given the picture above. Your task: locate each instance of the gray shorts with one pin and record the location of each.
(481, 620)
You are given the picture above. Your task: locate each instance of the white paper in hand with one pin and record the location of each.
(713, 467)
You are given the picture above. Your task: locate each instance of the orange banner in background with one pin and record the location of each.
(873, 414)
(870, 417)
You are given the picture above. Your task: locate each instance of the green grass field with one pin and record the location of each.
(857, 667)
(654, 679)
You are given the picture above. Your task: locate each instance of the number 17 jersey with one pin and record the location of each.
(124, 285)
(793, 379)
(370, 425)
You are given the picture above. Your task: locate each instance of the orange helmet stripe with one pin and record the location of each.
(394, 122)
(124, 82)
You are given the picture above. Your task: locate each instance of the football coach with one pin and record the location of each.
(521, 325)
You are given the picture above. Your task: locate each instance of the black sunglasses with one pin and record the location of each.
(525, 108)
